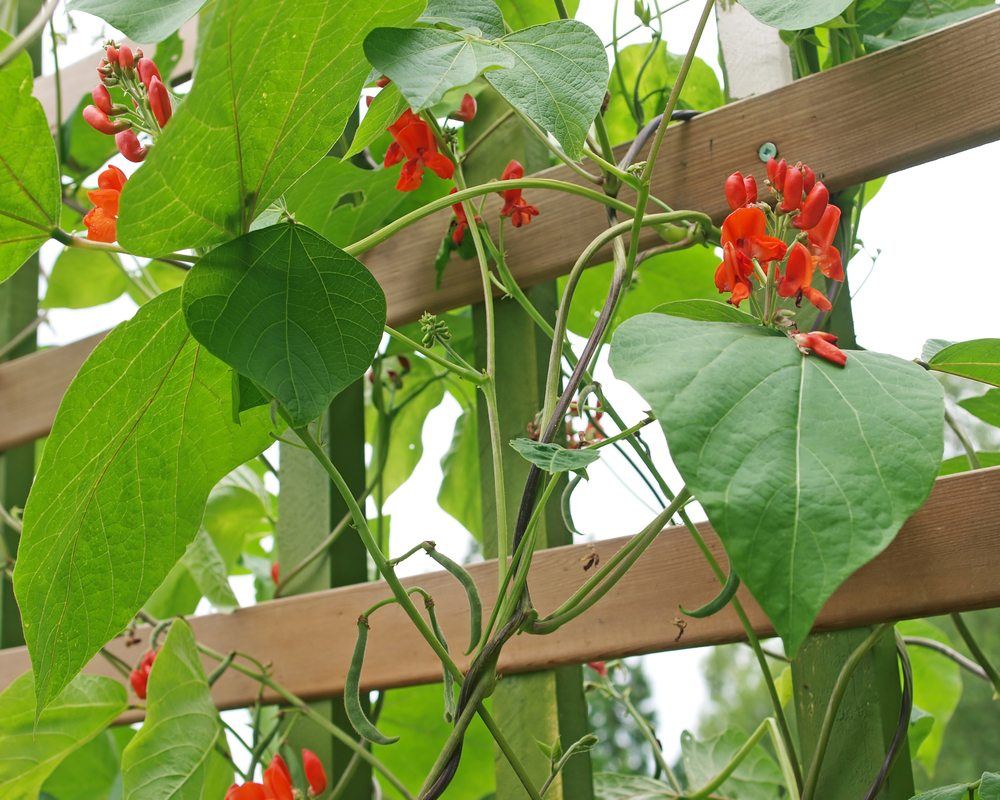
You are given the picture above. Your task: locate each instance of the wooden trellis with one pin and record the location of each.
(929, 98)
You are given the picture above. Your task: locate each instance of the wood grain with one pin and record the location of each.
(894, 109)
(946, 558)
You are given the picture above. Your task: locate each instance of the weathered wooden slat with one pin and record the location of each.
(926, 99)
(946, 558)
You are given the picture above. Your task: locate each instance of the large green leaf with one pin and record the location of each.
(82, 278)
(525, 13)
(139, 19)
(275, 85)
(644, 79)
(617, 786)
(937, 687)
(29, 174)
(661, 279)
(989, 788)
(143, 434)
(794, 15)
(986, 407)
(757, 777)
(978, 359)
(31, 750)
(806, 470)
(93, 772)
(416, 716)
(556, 74)
(290, 311)
(173, 755)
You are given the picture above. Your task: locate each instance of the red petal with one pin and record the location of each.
(314, 771)
(441, 165)
(817, 298)
(106, 200)
(798, 271)
(100, 226)
(410, 176)
(736, 191)
(112, 178)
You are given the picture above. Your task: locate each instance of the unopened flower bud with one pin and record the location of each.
(813, 208)
(102, 98)
(791, 193)
(146, 69)
(808, 179)
(130, 146)
(736, 191)
(125, 58)
(112, 54)
(98, 120)
(159, 100)
(776, 171)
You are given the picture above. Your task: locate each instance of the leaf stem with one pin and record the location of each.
(977, 652)
(463, 370)
(28, 34)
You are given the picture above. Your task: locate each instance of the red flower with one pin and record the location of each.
(733, 274)
(820, 238)
(248, 791)
(741, 191)
(414, 141)
(275, 572)
(101, 122)
(139, 678)
(461, 220)
(314, 771)
(791, 192)
(467, 110)
(776, 172)
(102, 219)
(130, 146)
(808, 179)
(822, 344)
(102, 98)
(599, 667)
(278, 780)
(817, 199)
(744, 238)
(514, 205)
(159, 100)
(797, 280)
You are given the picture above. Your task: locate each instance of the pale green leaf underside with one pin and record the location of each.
(705, 311)
(29, 753)
(794, 15)
(618, 786)
(385, 109)
(289, 310)
(141, 20)
(171, 757)
(275, 84)
(756, 778)
(482, 15)
(806, 471)
(553, 458)
(143, 434)
(29, 175)
(978, 359)
(204, 563)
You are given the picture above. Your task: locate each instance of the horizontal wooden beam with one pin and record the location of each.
(907, 105)
(946, 558)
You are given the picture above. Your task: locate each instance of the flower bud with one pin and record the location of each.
(808, 179)
(125, 58)
(813, 208)
(159, 100)
(467, 110)
(112, 53)
(791, 193)
(104, 72)
(776, 172)
(750, 184)
(315, 774)
(146, 69)
(102, 98)
(736, 191)
(98, 120)
(130, 147)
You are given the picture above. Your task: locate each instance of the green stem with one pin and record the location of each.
(970, 451)
(833, 706)
(731, 766)
(468, 193)
(61, 236)
(977, 652)
(28, 34)
(463, 370)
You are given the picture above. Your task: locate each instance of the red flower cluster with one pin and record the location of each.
(102, 219)
(139, 677)
(745, 240)
(413, 140)
(514, 205)
(277, 783)
(139, 79)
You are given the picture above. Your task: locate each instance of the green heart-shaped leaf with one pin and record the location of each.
(276, 83)
(482, 15)
(553, 458)
(173, 755)
(793, 15)
(139, 19)
(806, 470)
(29, 174)
(143, 434)
(292, 312)
(30, 749)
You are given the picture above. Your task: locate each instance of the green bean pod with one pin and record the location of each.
(449, 679)
(475, 604)
(564, 504)
(719, 601)
(352, 692)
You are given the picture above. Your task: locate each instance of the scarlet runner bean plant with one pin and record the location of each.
(806, 457)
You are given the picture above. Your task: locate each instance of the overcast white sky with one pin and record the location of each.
(932, 279)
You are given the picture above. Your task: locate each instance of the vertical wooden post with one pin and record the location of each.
(757, 61)
(541, 706)
(18, 307)
(309, 507)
